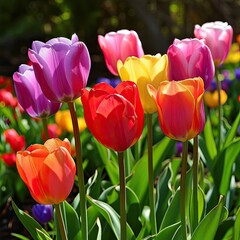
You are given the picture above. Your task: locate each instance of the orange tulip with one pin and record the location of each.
(180, 107)
(48, 170)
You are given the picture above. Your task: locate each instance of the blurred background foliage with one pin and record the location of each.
(157, 22)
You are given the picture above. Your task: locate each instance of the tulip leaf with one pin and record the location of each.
(42, 235)
(236, 227)
(232, 132)
(224, 167)
(110, 166)
(209, 225)
(168, 232)
(172, 214)
(30, 223)
(111, 217)
(209, 140)
(71, 220)
(140, 173)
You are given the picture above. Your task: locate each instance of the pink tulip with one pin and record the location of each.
(61, 67)
(190, 58)
(218, 36)
(118, 46)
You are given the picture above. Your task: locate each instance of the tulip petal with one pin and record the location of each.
(54, 143)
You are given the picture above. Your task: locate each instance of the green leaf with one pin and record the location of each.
(236, 227)
(71, 221)
(19, 236)
(232, 133)
(110, 166)
(139, 180)
(227, 158)
(29, 223)
(111, 217)
(168, 232)
(42, 235)
(209, 225)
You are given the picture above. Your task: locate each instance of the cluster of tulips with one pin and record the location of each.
(172, 85)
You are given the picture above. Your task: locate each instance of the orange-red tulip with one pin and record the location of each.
(180, 107)
(48, 170)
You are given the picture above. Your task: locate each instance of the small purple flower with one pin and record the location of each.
(212, 87)
(42, 213)
(113, 81)
(30, 95)
(237, 73)
(179, 148)
(226, 84)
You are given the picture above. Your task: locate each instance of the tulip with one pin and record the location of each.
(30, 95)
(118, 46)
(16, 141)
(143, 71)
(114, 116)
(48, 170)
(190, 58)
(64, 122)
(42, 213)
(218, 36)
(53, 131)
(61, 67)
(180, 108)
(7, 98)
(9, 159)
(211, 98)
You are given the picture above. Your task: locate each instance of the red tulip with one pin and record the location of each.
(114, 116)
(7, 98)
(218, 36)
(118, 46)
(180, 108)
(9, 159)
(16, 141)
(48, 170)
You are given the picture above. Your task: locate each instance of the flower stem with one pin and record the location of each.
(123, 219)
(151, 177)
(219, 110)
(183, 190)
(195, 183)
(45, 127)
(80, 173)
(60, 222)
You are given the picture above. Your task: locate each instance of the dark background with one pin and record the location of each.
(157, 23)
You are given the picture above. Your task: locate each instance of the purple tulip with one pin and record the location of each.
(61, 66)
(189, 58)
(30, 95)
(218, 36)
(42, 213)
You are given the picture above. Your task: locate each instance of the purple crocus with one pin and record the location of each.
(237, 73)
(42, 213)
(61, 66)
(113, 81)
(30, 95)
(189, 58)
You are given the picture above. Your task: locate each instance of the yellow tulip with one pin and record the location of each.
(145, 70)
(211, 98)
(64, 121)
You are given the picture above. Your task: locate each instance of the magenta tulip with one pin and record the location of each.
(189, 58)
(30, 95)
(118, 46)
(61, 67)
(218, 36)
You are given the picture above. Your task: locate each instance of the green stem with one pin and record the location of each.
(123, 219)
(136, 150)
(219, 110)
(45, 127)
(183, 190)
(60, 222)
(151, 177)
(195, 182)
(80, 172)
